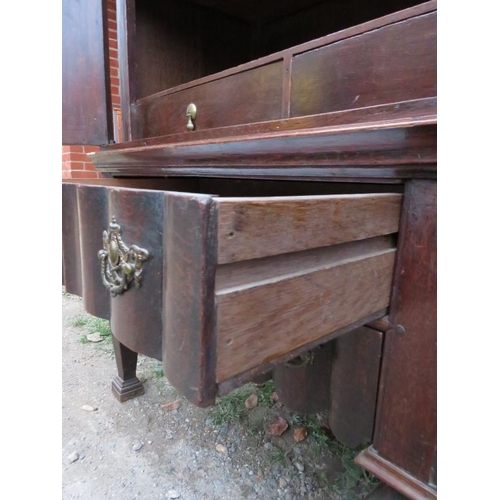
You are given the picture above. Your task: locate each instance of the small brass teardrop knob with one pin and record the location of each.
(191, 116)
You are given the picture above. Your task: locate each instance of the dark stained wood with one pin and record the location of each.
(93, 220)
(324, 18)
(372, 151)
(228, 315)
(127, 56)
(406, 419)
(189, 344)
(354, 382)
(257, 10)
(297, 308)
(395, 63)
(307, 46)
(270, 226)
(136, 315)
(125, 385)
(238, 187)
(415, 112)
(394, 476)
(72, 259)
(383, 492)
(391, 176)
(86, 116)
(178, 42)
(251, 96)
(303, 387)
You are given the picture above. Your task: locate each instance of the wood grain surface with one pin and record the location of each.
(256, 228)
(395, 63)
(296, 309)
(406, 427)
(86, 110)
(189, 344)
(354, 382)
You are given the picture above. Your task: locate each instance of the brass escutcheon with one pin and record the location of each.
(120, 265)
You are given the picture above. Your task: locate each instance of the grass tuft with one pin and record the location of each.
(231, 408)
(93, 325)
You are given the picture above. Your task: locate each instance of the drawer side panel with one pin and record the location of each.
(260, 322)
(251, 229)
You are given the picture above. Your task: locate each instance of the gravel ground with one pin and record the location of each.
(139, 449)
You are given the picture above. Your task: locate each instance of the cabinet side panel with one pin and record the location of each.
(406, 416)
(86, 116)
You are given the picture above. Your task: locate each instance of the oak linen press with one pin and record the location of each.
(272, 208)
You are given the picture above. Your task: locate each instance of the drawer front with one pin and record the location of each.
(252, 96)
(395, 63)
(232, 285)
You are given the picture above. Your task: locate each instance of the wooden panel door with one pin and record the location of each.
(86, 114)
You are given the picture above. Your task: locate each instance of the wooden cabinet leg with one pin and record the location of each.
(126, 385)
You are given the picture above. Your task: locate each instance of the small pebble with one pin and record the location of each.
(221, 448)
(95, 337)
(89, 408)
(73, 457)
(268, 446)
(299, 466)
(173, 494)
(282, 482)
(137, 446)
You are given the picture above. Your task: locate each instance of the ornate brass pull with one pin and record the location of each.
(191, 116)
(120, 265)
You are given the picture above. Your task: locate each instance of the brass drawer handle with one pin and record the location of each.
(120, 265)
(191, 116)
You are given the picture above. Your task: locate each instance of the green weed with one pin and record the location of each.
(231, 408)
(93, 324)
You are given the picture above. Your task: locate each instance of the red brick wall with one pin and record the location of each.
(75, 162)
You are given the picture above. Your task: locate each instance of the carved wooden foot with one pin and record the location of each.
(126, 385)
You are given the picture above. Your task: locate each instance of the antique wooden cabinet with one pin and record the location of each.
(272, 209)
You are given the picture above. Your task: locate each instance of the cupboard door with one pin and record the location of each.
(86, 116)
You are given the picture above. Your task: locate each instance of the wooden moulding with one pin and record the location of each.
(394, 476)
(388, 149)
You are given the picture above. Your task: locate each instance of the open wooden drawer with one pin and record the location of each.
(221, 286)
